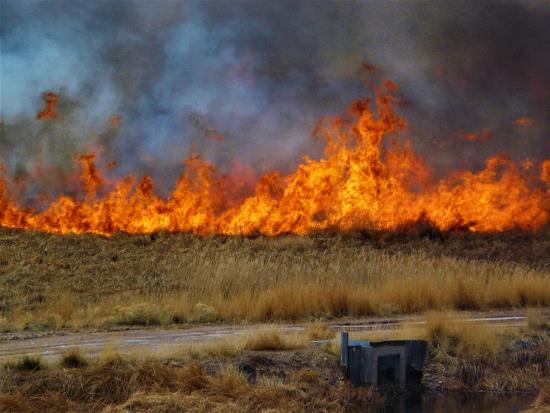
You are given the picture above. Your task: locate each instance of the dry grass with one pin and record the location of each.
(475, 356)
(52, 282)
(319, 331)
(451, 336)
(448, 333)
(271, 340)
(536, 321)
(153, 386)
(542, 403)
(287, 376)
(25, 363)
(230, 347)
(73, 359)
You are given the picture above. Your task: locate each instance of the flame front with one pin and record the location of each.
(363, 182)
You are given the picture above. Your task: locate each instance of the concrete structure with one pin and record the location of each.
(383, 363)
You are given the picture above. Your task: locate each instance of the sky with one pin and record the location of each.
(179, 76)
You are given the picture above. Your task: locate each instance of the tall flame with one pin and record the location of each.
(363, 181)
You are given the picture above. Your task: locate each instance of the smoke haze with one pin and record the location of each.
(182, 75)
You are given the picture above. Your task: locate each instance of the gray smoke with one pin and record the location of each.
(260, 74)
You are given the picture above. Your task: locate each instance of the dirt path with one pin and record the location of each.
(128, 341)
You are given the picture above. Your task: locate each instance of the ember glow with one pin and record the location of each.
(366, 180)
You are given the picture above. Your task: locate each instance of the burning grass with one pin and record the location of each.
(368, 178)
(51, 282)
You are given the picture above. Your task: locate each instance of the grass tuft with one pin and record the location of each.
(73, 359)
(536, 321)
(271, 340)
(319, 331)
(26, 363)
(448, 334)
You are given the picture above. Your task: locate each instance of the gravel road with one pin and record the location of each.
(136, 340)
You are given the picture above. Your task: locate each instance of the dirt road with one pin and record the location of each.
(129, 341)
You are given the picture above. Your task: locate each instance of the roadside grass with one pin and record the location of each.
(50, 282)
(208, 377)
(536, 321)
(26, 363)
(450, 335)
(154, 383)
(73, 359)
(271, 340)
(264, 339)
(319, 330)
(476, 356)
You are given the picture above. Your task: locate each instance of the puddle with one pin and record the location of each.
(460, 403)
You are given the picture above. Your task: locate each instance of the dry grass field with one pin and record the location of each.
(87, 281)
(267, 371)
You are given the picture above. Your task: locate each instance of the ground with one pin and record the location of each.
(60, 286)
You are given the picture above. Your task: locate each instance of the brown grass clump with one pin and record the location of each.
(73, 359)
(536, 321)
(450, 335)
(26, 363)
(542, 403)
(231, 347)
(481, 357)
(158, 387)
(271, 340)
(319, 331)
(218, 349)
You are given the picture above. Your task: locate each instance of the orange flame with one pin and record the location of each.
(483, 136)
(50, 105)
(363, 181)
(524, 121)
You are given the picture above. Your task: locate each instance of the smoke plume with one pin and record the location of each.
(148, 83)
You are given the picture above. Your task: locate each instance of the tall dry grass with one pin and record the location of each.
(49, 281)
(116, 384)
(287, 376)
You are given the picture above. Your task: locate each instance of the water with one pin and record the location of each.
(460, 403)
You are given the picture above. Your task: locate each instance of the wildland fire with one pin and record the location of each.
(274, 206)
(368, 179)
